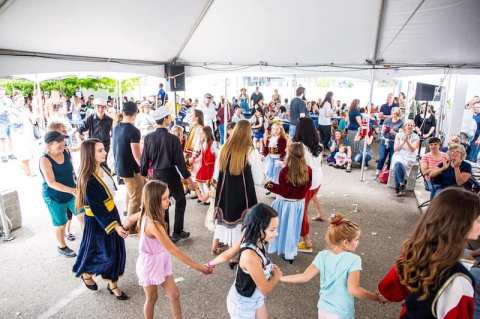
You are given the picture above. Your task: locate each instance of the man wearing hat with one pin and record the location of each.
(209, 112)
(98, 125)
(162, 159)
(127, 154)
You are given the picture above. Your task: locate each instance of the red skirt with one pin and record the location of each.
(205, 173)
(305, 225)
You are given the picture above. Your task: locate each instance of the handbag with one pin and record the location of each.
(383, 176)
(36, 131)
(218, 212)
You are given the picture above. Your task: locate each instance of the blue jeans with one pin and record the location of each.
(434, 189)
(384, 152)
(475, 271)
(221, 131)
(399, 173)
(473, 152)
(291, 130)
(358, 158)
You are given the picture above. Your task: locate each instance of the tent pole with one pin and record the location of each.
(119, 98)
(225, 112)
(364, 153)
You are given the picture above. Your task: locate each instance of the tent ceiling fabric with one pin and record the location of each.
(275, 32)
(285, 32)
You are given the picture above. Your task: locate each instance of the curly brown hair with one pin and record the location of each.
(438, 241)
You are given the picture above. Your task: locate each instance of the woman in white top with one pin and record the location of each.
(325, 114)
(405, 156)
(306, 134)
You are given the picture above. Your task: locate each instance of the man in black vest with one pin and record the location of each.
(163, 157)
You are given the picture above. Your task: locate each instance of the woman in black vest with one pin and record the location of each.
(428, 277)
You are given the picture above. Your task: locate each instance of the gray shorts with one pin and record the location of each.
(240, 307)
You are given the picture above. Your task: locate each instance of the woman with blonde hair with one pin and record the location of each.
(235, 192)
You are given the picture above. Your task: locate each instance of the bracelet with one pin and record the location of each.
(210, 265)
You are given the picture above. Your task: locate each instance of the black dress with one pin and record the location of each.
(234, 196)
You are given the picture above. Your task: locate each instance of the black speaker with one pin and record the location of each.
(175, 74)
(427, 92)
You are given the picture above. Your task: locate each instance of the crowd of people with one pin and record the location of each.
(222, 162)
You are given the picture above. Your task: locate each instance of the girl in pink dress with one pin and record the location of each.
(154, 263)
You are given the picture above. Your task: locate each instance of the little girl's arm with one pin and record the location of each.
(226, 255)
(161, 235)
(306, 276)
(356, 290)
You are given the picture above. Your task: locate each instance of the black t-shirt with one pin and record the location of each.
(447, 177)
(123, 135)
(427, 124)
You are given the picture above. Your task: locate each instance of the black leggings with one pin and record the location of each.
(325, 135)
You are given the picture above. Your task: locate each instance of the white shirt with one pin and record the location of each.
(315, 164)
(209, 114)
(325, 114)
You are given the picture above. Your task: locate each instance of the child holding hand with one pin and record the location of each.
(154, 263)
(339, 269)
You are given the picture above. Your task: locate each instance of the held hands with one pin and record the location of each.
(268, 185)
(121, 231)
(276, 273)
(380, 299)
(204, 269)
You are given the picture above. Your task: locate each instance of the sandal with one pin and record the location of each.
(122, 296)
(318, 219)
(92, 286)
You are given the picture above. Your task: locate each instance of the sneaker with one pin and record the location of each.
(4, 159)
(401, 191)
(12, 157)
(302, 247)
(181, 236)
(349, 169)
(70, 237)
(66, 251)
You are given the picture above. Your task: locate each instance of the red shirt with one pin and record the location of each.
(287, 190)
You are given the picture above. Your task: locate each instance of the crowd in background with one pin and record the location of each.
(218, 152)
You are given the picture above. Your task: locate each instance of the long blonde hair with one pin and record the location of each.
(151, 203)
(297, 167)
(88, 165)
(438, 241)
(234, 153)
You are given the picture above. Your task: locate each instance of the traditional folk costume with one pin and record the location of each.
(235, 194)
(315, 163)
(207, 167)
(102, 251)
(274, 151)
(289, 204)
(192, 149)
(453, 299)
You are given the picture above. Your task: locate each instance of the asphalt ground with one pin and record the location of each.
(38, 283)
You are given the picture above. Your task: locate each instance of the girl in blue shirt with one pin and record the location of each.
(339, 270)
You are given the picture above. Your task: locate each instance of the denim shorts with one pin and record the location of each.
(240, 307)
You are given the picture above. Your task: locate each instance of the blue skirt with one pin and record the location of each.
(290, 216)
(99, 253)
(272, 168)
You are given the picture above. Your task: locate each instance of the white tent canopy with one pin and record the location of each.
(300, 36)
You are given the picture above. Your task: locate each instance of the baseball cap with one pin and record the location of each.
(54, 136)
(160, 113)
(130, 107)
(99, 101)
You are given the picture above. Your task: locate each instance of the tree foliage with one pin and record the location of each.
(69, 85)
